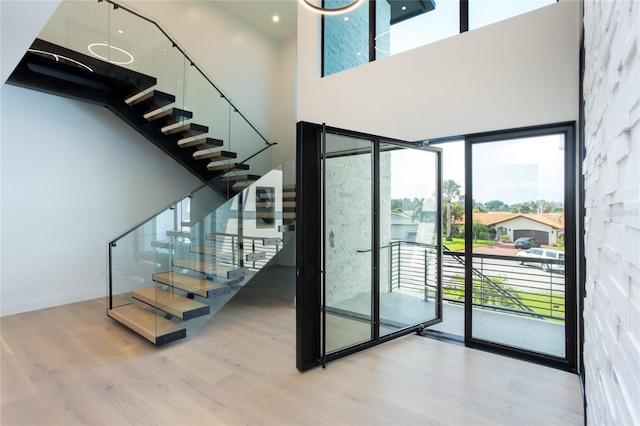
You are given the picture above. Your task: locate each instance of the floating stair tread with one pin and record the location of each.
(174, 304)
(285, 204)
(213, 155)
(285, 215)
(147, 324)
(206, 266)
(204, 142)
(186, 129)
(152, 101)
(168, 116)
(161, 244)
(199, 286)
(226, 166)
(212, 250)
(223, 235)
(239, 178)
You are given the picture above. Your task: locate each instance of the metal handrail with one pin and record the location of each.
(191, 62)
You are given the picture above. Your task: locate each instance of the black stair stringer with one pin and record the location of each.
(59, 71)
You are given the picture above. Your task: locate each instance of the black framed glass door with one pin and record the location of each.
(368, 252)
(520, 218)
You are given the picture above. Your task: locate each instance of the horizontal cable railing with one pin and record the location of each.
(510, 284)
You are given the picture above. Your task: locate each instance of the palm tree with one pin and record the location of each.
(450, 192)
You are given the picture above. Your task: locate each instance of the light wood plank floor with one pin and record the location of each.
(71, 365)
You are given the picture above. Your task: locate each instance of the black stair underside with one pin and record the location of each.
(56, 70)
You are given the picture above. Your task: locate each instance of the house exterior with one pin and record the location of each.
(68, 189)
(546, 228)
(401, 226)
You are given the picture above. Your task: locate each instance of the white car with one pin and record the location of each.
(541, 253)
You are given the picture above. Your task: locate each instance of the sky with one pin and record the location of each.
(512, 171)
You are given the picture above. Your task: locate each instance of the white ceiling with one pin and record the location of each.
(259, 13)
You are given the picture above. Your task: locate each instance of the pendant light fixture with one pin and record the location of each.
(336, 11)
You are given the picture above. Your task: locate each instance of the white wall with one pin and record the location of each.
(20, 23)
(285, 109)
(519, 72)
(74, 176)
(612, 219)
(250, 68)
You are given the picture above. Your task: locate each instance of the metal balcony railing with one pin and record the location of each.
(515, 285)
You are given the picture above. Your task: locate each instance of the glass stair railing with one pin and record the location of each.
(104, 53)
(171, 274)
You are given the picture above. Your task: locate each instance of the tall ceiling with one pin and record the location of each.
(259, 14)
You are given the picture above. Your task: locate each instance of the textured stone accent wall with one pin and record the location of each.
(348, 204)
(612, 217)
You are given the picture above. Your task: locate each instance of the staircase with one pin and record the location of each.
(170, 274)
(132, 96)
(164, 289)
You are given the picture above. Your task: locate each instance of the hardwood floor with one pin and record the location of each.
(71, 365)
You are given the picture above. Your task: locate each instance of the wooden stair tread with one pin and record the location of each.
(204, 142)
(206, 266)
(223, 235)
(165, 117)
(285, 215)
(152, 100)
(217, 165)
(239, 178)
(186, 130)
(212, 250)
(213, 155)
(199, 286)
(170, 302)
(147, 324)
(285, 204)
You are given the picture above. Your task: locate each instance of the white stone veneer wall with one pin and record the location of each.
(348, 203)
(612, 221)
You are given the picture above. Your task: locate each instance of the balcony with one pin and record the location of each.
(515, 303)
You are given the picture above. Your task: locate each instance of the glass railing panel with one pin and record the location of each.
(68, 27)
(211, 247)
(139, 45)
(244, 140)
(209, 106)
(134, 43)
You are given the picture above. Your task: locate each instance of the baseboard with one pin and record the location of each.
(50, 302)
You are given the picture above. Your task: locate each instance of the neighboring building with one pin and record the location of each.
(546, 227)
(402, 227)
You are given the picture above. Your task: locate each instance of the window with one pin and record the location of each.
(381, 28)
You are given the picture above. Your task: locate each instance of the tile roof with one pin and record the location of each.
(554, 220)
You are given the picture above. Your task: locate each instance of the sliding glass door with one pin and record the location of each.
(368, 241)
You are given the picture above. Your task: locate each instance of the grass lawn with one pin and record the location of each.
(458, 243)
(543, 303)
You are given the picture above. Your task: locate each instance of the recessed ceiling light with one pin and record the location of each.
(346, 18)
(404, 7)
(275, 18)
(120, 32)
